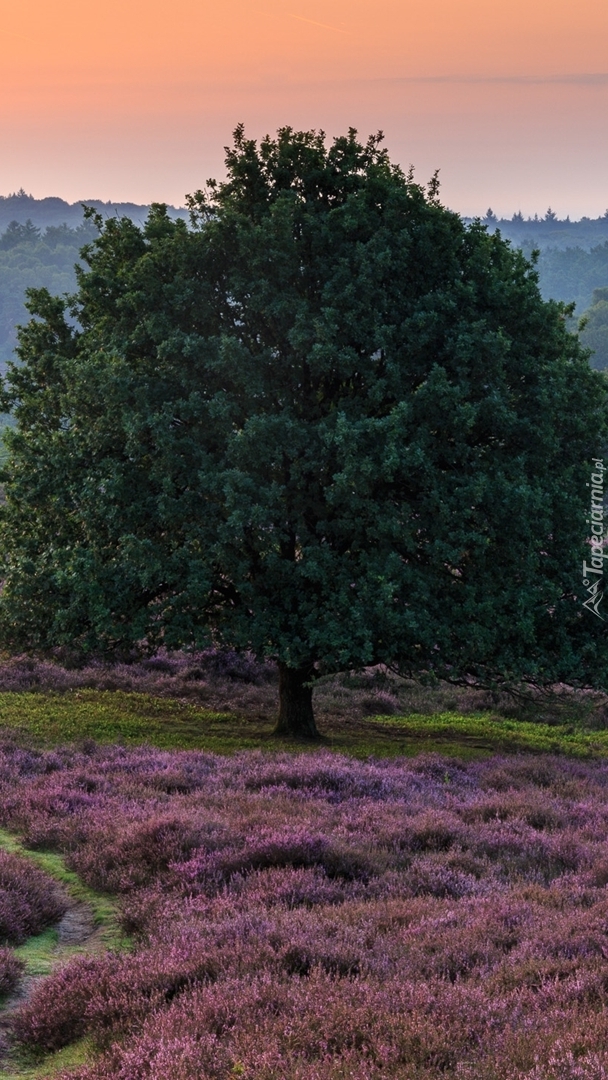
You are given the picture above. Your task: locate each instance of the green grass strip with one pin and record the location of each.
(114, 716)
(69, 1057)
(129, 719)
(487, 733)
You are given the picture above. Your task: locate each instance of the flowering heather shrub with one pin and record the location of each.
(332, 1029)
(29, 900)
(172, 674)
(286, 847)
(226, 680)
(110, 993)
(309, 917)
(138, 852)
(11, 969)
(289, 887)
(382, 703)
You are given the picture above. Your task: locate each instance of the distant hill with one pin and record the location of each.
(573, 274)
(31, 257)
(595, 333)
(21, 207)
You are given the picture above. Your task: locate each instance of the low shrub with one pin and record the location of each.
(30, 900)
(11, 969)
(293, 846)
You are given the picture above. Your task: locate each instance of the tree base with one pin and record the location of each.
(296, 715)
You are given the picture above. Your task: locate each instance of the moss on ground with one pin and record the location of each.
(106, 716)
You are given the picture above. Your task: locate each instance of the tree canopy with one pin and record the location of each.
(329, 423)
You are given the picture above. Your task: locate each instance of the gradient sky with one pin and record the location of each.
(133, 100)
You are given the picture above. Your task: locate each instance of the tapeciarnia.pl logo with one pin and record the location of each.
(593, 573)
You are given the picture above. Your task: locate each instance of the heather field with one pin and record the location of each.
(307, 916)
(297, 913)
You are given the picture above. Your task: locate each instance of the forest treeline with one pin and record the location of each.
(42, 249)
(21, 207)
(30, 256)
(40, 241)
(548, 231)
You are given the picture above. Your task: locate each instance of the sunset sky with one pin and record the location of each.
(133, 100)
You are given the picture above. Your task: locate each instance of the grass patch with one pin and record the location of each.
(129, 718)
(113, 716)
(485, 733)
(70, 1057)
(39, 952)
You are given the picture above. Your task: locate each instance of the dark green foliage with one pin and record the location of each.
(38, 249)
(595, 329)
(331, 424)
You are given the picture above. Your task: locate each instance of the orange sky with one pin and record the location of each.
(136, 100)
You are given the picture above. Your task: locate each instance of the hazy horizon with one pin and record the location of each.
(508, 100)
(537, 214)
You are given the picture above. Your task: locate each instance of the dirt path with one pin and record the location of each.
(75, 932)
(77, 926)
(89, 925)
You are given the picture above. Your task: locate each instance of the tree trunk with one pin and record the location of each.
(296, 716)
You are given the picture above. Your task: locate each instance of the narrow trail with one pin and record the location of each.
(75, 932)
(90, 925)
(77, 927)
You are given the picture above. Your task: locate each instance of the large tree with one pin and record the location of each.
(328, 423)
